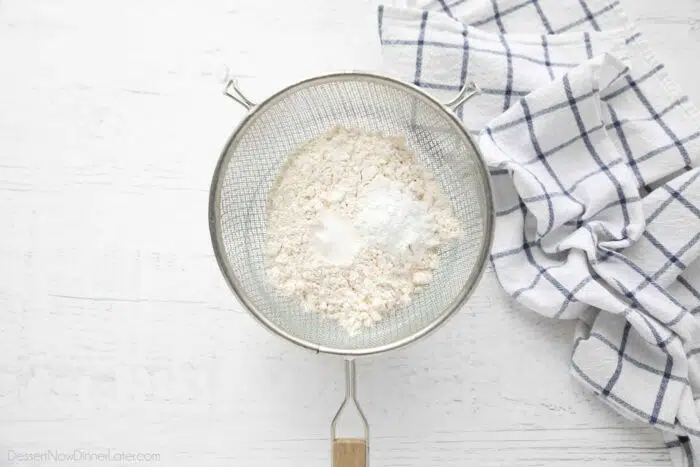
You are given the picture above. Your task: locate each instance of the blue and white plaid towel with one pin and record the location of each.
(591, 150)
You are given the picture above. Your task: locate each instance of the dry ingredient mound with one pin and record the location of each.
(354, 227)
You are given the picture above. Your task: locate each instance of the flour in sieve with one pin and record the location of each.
(355, 225)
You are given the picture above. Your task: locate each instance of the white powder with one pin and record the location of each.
(336, 239)
(355, 224)
(392, 220)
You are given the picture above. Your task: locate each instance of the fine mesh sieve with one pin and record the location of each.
(274, 129)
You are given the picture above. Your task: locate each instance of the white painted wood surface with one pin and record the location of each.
(116, 329)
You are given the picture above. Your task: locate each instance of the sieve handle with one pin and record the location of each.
(350, 452)
(233, 91)
(468, 91)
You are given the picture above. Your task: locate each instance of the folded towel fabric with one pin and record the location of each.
(592, 150)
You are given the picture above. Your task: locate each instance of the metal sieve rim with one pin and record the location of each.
(215, 214)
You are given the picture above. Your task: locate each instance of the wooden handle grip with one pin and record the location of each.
(349, 452)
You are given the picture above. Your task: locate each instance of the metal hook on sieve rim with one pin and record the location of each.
(350, 452)
(233, 91)
(468, 91)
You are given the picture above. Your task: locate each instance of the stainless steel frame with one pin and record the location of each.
(232, 91)
(346, 451)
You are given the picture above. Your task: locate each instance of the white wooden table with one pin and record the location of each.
(116, 329)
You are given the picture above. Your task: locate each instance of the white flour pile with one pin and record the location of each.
(354, 227)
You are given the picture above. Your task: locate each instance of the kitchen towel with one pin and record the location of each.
(592, 152)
